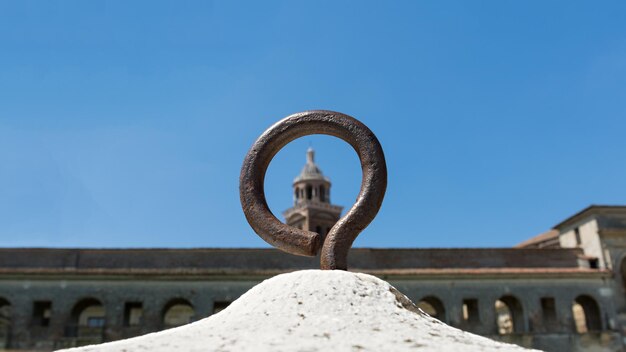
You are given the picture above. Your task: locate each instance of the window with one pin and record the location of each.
(322, 193)
(89, 313)
(178, 312)
(5, 315)
(432, 306)
(95, 322)
(509, 315)
(548, 313)
(470, 310)
(586, 314)
(219, 306)
(133, 312)
(577, 234)
(41, 313)
(309, 192)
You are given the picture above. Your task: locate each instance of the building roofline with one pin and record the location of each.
(592, 209)
(541, 238)
(254, 249)
(251, 259)
(186, 274)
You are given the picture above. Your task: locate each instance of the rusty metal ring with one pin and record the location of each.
(301, 242)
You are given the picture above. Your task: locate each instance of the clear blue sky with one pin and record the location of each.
(124, 124)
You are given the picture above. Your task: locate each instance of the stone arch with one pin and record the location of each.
(176, 312)
(87, 321)
(586, 313)
(433, 307)
(509, 315)
(5, 322)
(88, 312)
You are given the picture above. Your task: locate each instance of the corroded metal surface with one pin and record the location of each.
(334, 250)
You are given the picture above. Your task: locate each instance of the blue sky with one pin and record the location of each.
(124, 124)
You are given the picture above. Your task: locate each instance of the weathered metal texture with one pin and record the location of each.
(338, 241)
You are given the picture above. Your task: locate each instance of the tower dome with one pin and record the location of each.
(310, 171)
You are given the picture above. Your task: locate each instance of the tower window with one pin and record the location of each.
(322, 193)
(309, 192)
(295, 193)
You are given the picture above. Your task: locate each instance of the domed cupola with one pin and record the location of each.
(310, 171)
(311, 185)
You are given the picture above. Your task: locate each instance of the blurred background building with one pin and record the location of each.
(563, 290)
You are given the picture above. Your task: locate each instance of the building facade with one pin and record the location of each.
(560, 291)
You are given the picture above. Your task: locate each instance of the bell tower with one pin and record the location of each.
(312, 209)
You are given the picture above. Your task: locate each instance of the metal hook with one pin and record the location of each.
(301, 242)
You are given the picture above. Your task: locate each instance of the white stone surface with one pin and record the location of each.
(313, 310)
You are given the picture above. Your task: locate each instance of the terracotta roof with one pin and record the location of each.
(546, 236)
